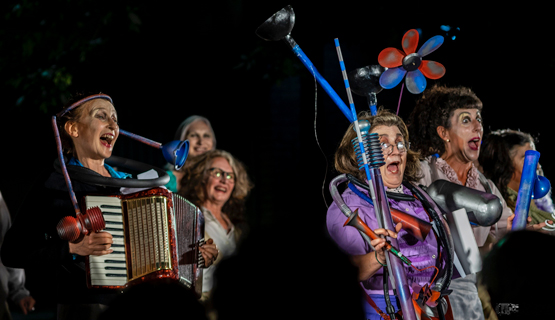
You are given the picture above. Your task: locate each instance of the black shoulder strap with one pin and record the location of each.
(390, 195)
(484, 182)
(444, 276)
(433, 168)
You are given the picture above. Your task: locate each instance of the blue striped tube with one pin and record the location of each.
(345, 79)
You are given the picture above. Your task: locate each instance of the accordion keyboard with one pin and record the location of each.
(110, 269)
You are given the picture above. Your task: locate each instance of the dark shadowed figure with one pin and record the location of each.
(291, 270)
(516, 275)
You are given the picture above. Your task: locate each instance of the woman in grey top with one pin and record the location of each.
(446, 128)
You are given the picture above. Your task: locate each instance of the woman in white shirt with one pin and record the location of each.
(218, 184)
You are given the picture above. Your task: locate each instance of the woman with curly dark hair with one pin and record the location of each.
(502, 158)
(446, 128)
(218, 184)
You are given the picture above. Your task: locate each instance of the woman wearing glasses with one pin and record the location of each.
(446, 128)
(217, 183)
(399, 175)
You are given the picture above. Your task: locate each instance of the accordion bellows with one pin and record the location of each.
(156, 234)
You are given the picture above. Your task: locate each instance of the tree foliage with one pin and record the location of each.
(45, 43)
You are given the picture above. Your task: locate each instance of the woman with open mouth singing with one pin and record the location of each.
(446, 128)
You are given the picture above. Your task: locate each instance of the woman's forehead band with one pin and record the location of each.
(80, 102)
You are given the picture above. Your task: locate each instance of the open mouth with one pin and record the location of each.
(474, 144)
(393, 167)
(107, 139)
(221, 189)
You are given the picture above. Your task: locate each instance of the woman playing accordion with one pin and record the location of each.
(88, 131)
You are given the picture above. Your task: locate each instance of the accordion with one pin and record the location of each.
(156, 235)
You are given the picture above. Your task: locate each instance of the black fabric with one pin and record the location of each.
(443, 235)
(390, 195)
(88, 176)
(484, 182)
(81, 311)
(33, 243)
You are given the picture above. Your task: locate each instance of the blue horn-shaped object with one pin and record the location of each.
(175, 152)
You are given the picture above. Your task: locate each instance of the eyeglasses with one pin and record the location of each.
(219, 173)
(388, 148)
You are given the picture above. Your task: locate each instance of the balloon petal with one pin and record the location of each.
(415, 82)
(410, 41)
(392, 77)
(430, 46)
(391, 58)
(431, 69)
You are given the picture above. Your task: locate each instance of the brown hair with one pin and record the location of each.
(345, 160)
(196, 175)
(435, 108)
(496, 156)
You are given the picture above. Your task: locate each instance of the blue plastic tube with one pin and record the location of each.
(527, 180)
(329, 90)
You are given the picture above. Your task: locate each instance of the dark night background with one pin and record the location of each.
(163, 62)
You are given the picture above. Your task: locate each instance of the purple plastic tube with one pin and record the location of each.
(395, 265)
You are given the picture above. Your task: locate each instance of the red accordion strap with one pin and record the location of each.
(373, 304)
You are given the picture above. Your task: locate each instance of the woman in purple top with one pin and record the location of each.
(398, 174)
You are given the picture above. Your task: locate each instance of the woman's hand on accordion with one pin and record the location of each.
(209, 252)
(95, 243)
